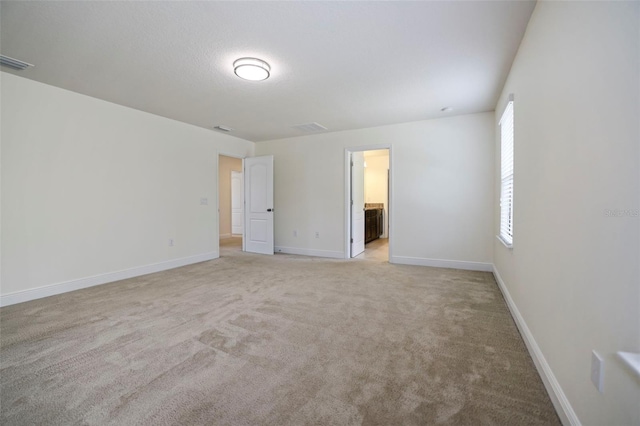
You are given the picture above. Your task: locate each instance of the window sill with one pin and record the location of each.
(504, 243)
(632, 360)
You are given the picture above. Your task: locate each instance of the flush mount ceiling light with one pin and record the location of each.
(251, 69)
(446, 109)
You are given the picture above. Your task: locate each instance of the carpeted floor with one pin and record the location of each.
(272, 340)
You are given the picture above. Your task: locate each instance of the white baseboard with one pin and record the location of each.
(310, 252)
(64, 287)
(566, 413)
(223, 236)
(440, 263)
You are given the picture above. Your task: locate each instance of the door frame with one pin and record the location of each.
(218, 196)
(347, 195)
(239, 174)
(358, 215)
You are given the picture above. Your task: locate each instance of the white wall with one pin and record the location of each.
(226, 166)
(442, 187)
(91, 188)
(375, 184)
(573, 273)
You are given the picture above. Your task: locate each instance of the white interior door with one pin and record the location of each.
(357, 203)
(237, 203)
(258, 191)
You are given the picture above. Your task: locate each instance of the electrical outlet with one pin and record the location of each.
(597, 371)
(204, 201)
(317, 234)
(295, 233)
(170, 242)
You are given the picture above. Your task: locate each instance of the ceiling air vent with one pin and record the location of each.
(310, 127)
(14, 63)
(223, 128)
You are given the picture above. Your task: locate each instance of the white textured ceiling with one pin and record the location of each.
(345, 65)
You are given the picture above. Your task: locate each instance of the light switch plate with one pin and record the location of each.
(597, 371)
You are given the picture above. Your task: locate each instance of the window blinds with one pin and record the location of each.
(506, 175)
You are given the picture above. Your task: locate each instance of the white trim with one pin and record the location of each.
(504, 243)
(566, 413)
(347, 203)
(223, 236)
(441, 263)
(66, 286)
(310, 252)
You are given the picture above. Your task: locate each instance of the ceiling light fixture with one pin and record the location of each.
(251, 69)
(446, 109)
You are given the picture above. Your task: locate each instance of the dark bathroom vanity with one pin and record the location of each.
(373, 221)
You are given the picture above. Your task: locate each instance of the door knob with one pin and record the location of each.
(270, 210)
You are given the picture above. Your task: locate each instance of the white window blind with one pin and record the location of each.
(506, 174)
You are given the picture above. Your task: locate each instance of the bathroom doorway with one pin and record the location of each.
(368, 203)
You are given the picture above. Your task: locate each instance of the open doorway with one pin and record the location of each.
(369, 204)
(230, 203)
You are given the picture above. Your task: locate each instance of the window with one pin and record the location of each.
(506, 174)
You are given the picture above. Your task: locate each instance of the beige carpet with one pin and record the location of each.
(272, 340)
